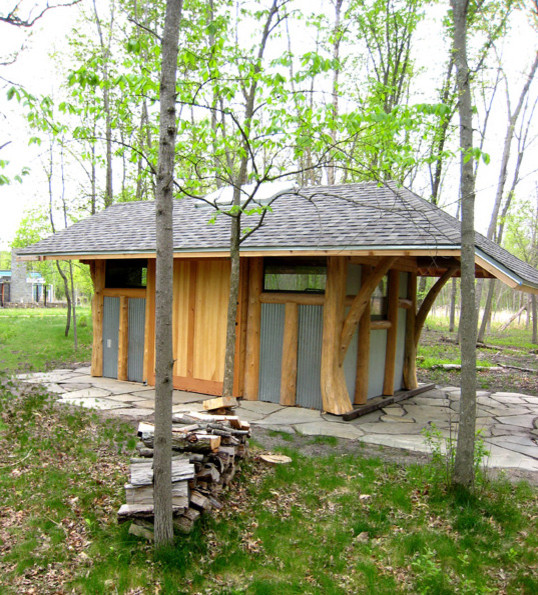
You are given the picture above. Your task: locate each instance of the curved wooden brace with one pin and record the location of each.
(429, 300)
(360, 302)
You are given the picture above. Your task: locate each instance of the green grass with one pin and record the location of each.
(334, 524)
(34, 339)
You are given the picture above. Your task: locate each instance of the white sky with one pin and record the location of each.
(36, 72)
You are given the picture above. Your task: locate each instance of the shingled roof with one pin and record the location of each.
(345, 218)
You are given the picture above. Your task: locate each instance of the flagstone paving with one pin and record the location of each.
(508, 421)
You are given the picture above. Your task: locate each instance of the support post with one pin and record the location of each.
(97, 271)
(288, 381)
(252, 364)
(333, 386)
(392, 333)
(410, 358)
(363, 358)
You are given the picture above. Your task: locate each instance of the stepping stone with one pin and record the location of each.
(78, 378)
(69, 388)
(261, 407)
(327, 428)
(406, 442)
(181, 396)
(83, 370)
(508, 397)
(127, 398)
(146, 404)
(146, 393)
(530, 450)
(55, 388)
(186, 407)
(86, 393)
(248, 415)
(394, 410)
(279, 428)
(93, 403)
(424, 401)
(396, 418)
(393, 428)
(502, 457)
(524, 421)
(134, 412)
(291, 416)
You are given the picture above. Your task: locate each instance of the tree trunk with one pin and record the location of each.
(464, 463)
(164, 357)
(486, 316)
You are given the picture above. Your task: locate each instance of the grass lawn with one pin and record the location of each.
(330, 524)
(33, 339)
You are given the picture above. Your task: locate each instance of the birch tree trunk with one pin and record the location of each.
(464, 463)
(164, 358)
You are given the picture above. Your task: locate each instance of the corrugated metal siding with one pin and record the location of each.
(309, 357)
(378, 352)
(135, 352)
(400, 349)
(271, 338)
(111, 327)
(350, 363)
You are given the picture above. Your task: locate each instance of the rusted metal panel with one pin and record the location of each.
(309, 357)
(271, 338)
(135, 351)
(111, 326)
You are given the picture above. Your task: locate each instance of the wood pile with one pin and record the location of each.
(206, 450)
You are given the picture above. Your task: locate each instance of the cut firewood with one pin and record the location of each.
(271, 459)
(199, 501)
(142, 472)
(143, 495)
(220, 403)
(142, 531)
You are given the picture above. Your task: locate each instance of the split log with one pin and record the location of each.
(219, 403)
(141, 528)
(142, 472)
(129, 512)
(199, 501)
(142, 495)
(194, 442)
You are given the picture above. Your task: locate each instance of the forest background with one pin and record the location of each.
(345, 91)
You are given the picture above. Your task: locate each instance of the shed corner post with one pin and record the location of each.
(97, 272)
(410, 359)
(334, 391)
(252, 360)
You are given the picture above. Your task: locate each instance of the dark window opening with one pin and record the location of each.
(121, 274)
(379, 300)
(297, 275)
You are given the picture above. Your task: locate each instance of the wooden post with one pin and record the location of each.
(123, 338)
(360, 302)
(410, 358)
(252, 364)
(333, 386)
(392, 332)
(149, 335)
(363, 358)
(288, 381)
(241, 335)
(97, 270)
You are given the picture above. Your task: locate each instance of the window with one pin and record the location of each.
(127, 273)
(300, 276)
(379, 301)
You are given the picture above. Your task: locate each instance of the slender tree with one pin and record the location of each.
(464, 463)
(164, 358)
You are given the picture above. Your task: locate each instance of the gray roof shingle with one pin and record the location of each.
(347, 216)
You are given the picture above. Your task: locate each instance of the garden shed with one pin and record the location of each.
(327, 313)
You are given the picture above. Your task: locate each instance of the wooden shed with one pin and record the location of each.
(327, 308)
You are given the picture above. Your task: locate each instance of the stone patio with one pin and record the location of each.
(508, 421)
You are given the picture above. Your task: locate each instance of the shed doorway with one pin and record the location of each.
(124, 321)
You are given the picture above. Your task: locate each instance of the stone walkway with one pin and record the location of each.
(508, 421)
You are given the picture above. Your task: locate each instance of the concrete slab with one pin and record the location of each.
(326, 428)
(261, 407)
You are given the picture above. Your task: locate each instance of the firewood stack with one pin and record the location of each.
(206, 450)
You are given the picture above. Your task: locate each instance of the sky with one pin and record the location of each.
(34, 69)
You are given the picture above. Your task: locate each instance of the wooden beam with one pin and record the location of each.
(392, 333)
(149, 334)
(380, 325)
(123, 338)
(426, 305)
(333, 385)
(288, 380)
(359, 304)
(97, 271)
(410, 357)
(282, 297)
(252, 364)
(131, 292)
(363, 358)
